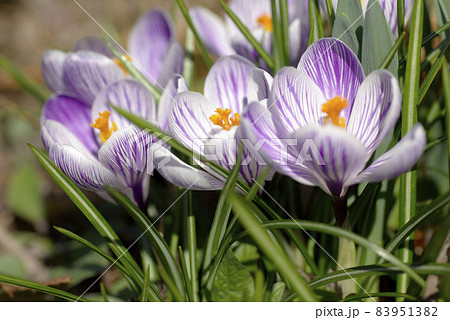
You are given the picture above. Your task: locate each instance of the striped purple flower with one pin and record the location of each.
(89, 142)
(209, 124)
(224, 38)
(342, 116)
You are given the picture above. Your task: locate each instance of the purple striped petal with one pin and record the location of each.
(181, 174)
(212, 31)
(295, 101)
(53, 132)
(401, 158)
(189, 119)
(52, 69)
(175, 85)
(257, 126)
(226, 83)
(126, 154)
(342, 156)
(376, 109)
(259, 85)
(149, 41)
(334, 68)
(173, 64)
(129, 95)
(74, 116)
(95, 44)
(86, 172)
(86, 73)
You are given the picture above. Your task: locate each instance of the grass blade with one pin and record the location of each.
(221, 216)
(41, 288)
(27, 84)
(162, 251)
(192, 244)
(409, 117)
(184, 10)
(246, 214)
(89, 211)
(426, 83)
(339, 232)
(376, 269)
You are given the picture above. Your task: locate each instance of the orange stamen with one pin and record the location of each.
(120, 64)
(223, 119)
(333, 108)
(102, 124)
(266, 21)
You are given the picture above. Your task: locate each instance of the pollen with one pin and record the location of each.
(120, 64)
(223, 119)
(333, 108)
(102, 124)
(266, 21)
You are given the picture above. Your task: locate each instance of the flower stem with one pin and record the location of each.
(340, 209)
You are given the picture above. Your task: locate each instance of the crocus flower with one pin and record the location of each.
(152, 47)
(224, 38)
(95, 146)
(209, 125)
(325, 119)
(389, 9)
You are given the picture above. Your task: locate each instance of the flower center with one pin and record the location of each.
(120, 64)
(266, 21)
(333, 108)
(223, 119)
(102, 124)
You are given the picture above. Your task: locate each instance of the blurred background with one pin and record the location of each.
(30, 203)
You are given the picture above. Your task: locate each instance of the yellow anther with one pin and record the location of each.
(120, 64)
(102, 124)
(266, 21)
(223, 119)
(333, 108)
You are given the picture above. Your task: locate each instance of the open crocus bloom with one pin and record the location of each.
(325, 119)
(224, 38)
(209, 124)
(389, 9)
(152, 47)
(95, 146)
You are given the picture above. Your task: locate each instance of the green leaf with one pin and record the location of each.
(184, 10)
(409, 117)
(348, 26)
(233, 281)
(378, 269)
(25, 184)
(246, 213)
(27, 84)
(41, 288)
(221, 216)
(247, 34)
(432, 73)
(393, 52)
(187, 278)
(315, 21)
(377, 40)
(277, 292)
(160, 246)
(90, 212)
(339, 232)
